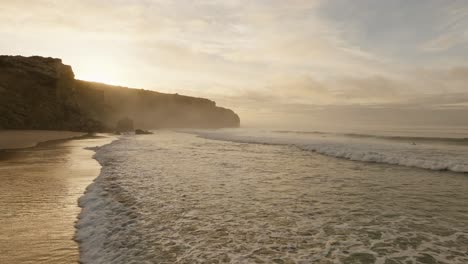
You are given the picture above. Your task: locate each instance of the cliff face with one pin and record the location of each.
(42, 93)
(38, 93)
(149, 109)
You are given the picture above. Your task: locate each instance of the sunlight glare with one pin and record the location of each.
(98, 72)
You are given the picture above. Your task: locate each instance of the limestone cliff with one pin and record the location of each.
(38, 93)
(42, 93)
(149, 109)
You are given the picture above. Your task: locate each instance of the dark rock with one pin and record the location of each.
(125, 125)
(142, 132)
(38, 93)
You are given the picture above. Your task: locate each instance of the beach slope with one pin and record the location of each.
(39, 190)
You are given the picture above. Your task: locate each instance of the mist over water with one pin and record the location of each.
(178, 198)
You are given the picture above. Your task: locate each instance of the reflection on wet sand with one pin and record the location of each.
(38, 200)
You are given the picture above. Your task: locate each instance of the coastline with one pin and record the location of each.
(39, 195)
(18, 139)
(175, 197)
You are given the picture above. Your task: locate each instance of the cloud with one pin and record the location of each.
(452, 29)
(79, 16)
(276, 56)
(413, 32)
(443, 42)
(373, 89)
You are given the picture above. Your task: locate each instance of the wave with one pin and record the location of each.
(171, 198)
(454, 140)
(357, 147)
(105, 223)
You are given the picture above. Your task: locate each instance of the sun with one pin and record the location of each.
(100, 77)
(98, 72)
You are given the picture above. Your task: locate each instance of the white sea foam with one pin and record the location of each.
(177, 198)
(426, 153)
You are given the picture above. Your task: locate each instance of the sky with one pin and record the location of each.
(295, 63)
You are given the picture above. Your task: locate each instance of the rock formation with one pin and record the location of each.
(42, 93)
(142, 132)
(38, 93)
(124, 125)
(149, 109)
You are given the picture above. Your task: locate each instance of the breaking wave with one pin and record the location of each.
(463, 141)
(177, 198)
(421, 152)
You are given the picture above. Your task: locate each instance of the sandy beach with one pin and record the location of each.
(38, 194)
(15, 139)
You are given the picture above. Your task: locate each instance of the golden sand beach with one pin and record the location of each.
(38, 196)
(15, 139)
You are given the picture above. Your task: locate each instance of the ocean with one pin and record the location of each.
(269, 196)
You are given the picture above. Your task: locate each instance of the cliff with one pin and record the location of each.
(42, 93)
(149, 109)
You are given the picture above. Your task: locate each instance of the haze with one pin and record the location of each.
(296, 63)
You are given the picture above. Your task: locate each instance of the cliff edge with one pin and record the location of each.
(42, 93)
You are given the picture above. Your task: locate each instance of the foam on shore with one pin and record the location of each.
(178, 198)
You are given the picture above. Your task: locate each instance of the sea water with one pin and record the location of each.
(252, 196)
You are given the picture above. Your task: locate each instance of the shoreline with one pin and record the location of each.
(175, 197)
(21, 139)
(39, 197)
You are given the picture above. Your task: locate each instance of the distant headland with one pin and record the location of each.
(42, 93)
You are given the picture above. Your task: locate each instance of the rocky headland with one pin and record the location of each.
(42, 93)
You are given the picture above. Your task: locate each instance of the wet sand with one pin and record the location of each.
(39, 188)
(14, 139)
